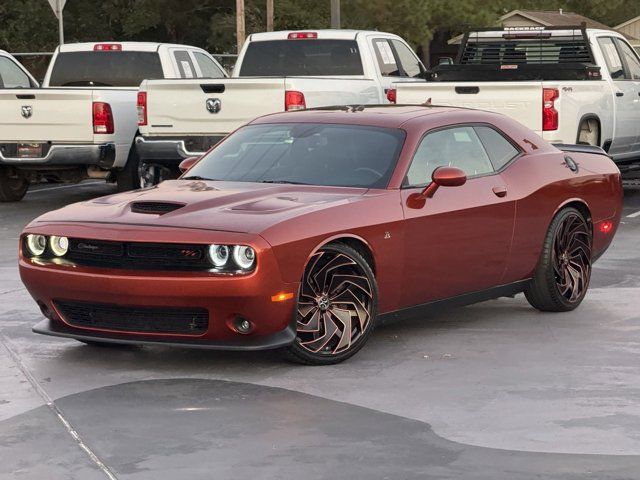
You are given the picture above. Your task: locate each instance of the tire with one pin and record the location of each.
(129, 177)
(12, 188)
(589, 132)
(562, 276)
(337, 307)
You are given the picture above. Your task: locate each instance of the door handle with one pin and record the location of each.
(619, 94)
(500, 191)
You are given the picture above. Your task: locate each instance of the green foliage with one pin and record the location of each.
(29, 25)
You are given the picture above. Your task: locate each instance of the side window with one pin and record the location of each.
(408, 60)
(611, 58)
(630, 59)
(11, 76)
(386, 59)
(499, 149)
(185, 66)
(207, 66)
(455, 147)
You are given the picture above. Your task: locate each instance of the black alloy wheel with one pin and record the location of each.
(562, 277)
(337, 306)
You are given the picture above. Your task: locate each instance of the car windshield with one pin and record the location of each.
(305, 153)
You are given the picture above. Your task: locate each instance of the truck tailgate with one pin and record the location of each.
(179, 107)
(521, 101)
(46, 115)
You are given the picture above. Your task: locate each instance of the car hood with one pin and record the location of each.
(223, 206)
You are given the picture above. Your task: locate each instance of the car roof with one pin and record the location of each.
(390, 116)
(322, 34)
(126, 46)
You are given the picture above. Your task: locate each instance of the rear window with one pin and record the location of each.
(277, 58)
(105, 69)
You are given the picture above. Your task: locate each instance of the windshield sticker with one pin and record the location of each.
(186, 68)
(385, 53)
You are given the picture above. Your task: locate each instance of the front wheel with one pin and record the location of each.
(13, 187)
(562, 277)
(337, 307)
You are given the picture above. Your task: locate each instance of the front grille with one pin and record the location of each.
(155, 208)
(138, 255)
(189, 321)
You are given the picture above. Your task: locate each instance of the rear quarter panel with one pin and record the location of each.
(542, 184)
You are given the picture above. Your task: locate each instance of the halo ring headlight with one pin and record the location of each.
(245, 257)
(59, 245)
(219, 255)
(36, 244)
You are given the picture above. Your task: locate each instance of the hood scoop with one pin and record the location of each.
(155, 208)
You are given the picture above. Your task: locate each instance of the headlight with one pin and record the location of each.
(36, 244)
(219, 255)
(232, 258)
(59, 245)
(244, 256)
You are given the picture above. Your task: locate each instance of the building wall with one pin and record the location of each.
(633, 29)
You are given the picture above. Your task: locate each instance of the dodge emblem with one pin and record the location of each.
(213, 105)
(27, 111)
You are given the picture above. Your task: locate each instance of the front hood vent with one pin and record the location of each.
(155, 208)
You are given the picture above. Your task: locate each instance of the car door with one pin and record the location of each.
(459, 240)
(624, 93)
(632, 81)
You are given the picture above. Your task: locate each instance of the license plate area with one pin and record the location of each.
(29, 150)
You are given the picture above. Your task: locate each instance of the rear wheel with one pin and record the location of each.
(13, 186)
(151, 174)
(562, 277)
(337, 307)
(589, 133)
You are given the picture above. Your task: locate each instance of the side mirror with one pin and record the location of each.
(444, 177)
(187, 163)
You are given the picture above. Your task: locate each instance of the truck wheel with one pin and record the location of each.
(128, 178)
(589, 133)
(151, 174)
(13, 187)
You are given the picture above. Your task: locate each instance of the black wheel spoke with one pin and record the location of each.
(571, 257)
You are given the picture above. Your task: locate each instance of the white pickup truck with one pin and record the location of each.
(83, 121)
(568, 84)
(275, 71)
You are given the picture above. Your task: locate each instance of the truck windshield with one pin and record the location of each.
(305, 153)
(279, 58)
(104, 69)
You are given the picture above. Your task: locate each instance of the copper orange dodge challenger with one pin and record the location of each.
(303, 230)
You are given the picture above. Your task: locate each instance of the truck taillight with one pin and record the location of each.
(294, 100)
(102, 118)
(302, 35)
(107, 47)
(549, 112)
(391, 95)
(142, 108)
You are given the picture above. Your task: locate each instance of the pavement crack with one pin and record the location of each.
(54, 408)
(12, 291)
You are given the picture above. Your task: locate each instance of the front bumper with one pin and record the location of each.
(102, 155)
(224, 297)
(173, 150)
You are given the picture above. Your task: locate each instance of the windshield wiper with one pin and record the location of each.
(197, 177)
(290, 182)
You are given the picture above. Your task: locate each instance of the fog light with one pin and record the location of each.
(242, 325)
